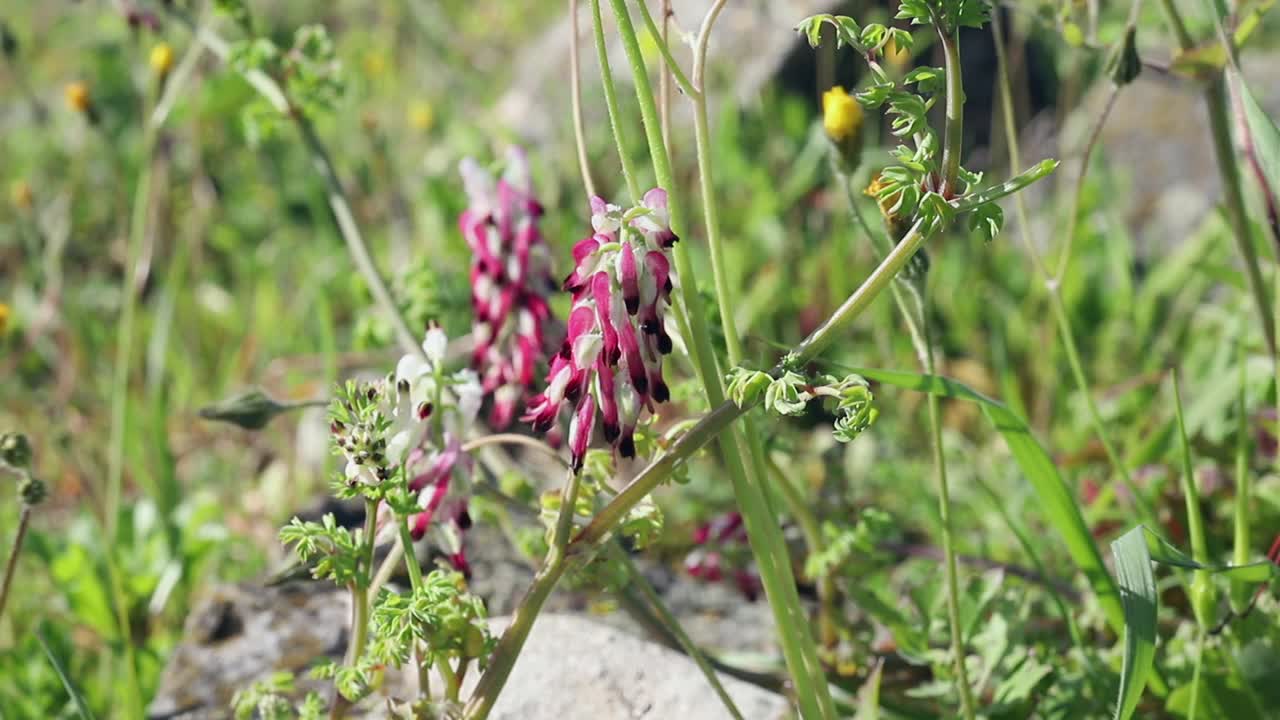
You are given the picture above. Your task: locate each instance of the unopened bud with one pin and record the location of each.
(252, 410)
(842, 120)
(161, 59)
(1124, 64)
(32, 490)
(15, 450)
(78, 99)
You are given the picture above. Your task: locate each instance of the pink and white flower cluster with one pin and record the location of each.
(723, 550)
(510, 281)
(611, 361)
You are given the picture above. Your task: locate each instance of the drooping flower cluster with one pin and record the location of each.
(722, 548)
(414, 421)
(510, 281)
(611, 361)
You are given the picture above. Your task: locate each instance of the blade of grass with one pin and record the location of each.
(1138, 595)
(82, 709)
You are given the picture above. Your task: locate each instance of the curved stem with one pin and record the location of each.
(24, 520)
(575, 92)
(514, 439)
(336, 195)
(745, 469)
(1053, 285)
(673, 626)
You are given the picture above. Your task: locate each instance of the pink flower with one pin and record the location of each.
(510, 279)
(610, 365)
(722, 547)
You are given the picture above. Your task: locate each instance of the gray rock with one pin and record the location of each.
(576, 669)
(572, 667)
(1157, 144)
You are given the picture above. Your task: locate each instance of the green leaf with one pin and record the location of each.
(82, 709)
(1056, 499)
(869, 696)
(986, 221)
(1261, 141)
(1138, 595)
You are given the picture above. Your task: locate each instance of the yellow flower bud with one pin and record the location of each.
(161, 59)
(4, 318)
(77, 94)
(841, 114)
(842, 119)
(421, 115)
(20, 194)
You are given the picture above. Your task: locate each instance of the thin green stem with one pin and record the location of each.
(1217, 104)
(660, 40)
(809, 528)
(638, 580)
(508, 649)
(611, 102)
(1052, 284)
(1145, 513)
(11, 565)
(120, 407)
(767, 543)
(1241, 551)
(336, 195)
(410, 557)
(714, 422)
(953, 140)
(948, 541)
(514, 439)
(1194, 706)
(575, 93)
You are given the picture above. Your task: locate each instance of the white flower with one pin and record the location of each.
(435, 346)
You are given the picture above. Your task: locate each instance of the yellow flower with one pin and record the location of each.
(20, 194)
(841, 114)
(885, 203)
(4, 318)
(161, 59)
(421, 115)
(77, 94)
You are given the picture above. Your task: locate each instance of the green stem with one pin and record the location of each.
(1216, 102)
(359, 605)
(948, 542)
(575, 94)
(336, 195)
(673, 626)
(611, 102)
(1195, 676)
(1053, 285)
(953, 142)
(11, 565)
(505, 654)
(1241, 552)
(827, 635)
(686, 87)
(714, 422)
(767, 543)
(120, 407)
(1145, 513)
